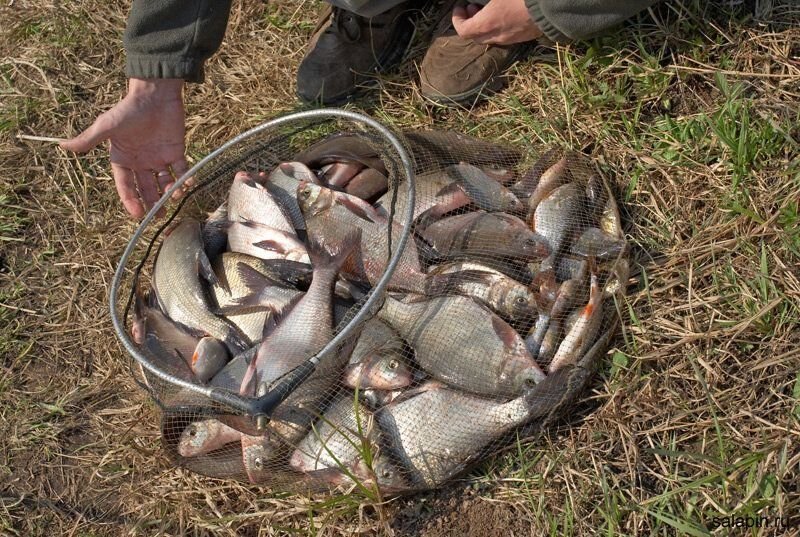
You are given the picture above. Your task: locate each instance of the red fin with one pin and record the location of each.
(507, 335)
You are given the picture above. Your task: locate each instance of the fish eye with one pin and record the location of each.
(529, 383)
(521, 300)
(386, 473)
(305, 192)
(258, 463)
(192, 431)
(394, 364)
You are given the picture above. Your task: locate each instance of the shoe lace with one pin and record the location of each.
(349, 25)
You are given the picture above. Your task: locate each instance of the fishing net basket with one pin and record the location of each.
(477, 309)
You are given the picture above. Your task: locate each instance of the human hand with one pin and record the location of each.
(500, 22)
(146, 130)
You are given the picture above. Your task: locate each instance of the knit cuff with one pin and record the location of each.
(550, 31)
(163, 67)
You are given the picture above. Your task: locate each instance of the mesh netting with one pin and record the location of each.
(334, 306)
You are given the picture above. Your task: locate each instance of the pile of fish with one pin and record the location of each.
(503, 289)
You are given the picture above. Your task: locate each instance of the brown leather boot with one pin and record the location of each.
(459, 71)
(346, 49)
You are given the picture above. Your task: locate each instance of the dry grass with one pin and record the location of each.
(694, 112)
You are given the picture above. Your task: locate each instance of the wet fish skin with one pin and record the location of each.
(334, 440)
(368, 185)
(378, 398)
(343, 146)
(265, 242)
(458, 426)
(261, 293)
(381, 370)
(581, 335)
(307, 327)
(165, 341)
(557, 215)
(462, 343)
(481, 235)
(596, 243)
(484, 192)
(596, 193)
(231, 287)
(503, 295)
(282, 184)
(374, 335)
(176, 279)
(552, 178)
(434, 198)
(208, 358)
(527, 184)
(250, 201)
(610, 221)
(205, 436)
(448, 147)
(338, 174)
(332, 217)
(215, 231)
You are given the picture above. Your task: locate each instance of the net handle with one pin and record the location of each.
(251, 404)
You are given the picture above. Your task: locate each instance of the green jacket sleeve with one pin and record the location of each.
(173, 38)
(567, 20)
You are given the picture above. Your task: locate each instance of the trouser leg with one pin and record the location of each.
(366, 8)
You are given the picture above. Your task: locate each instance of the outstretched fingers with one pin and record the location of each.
(125, 181)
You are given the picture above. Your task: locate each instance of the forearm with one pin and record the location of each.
(568, 20)
(172, 39)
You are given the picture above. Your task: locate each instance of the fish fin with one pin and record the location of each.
(443, 284)
(321, 259)
(507, 335)
(188, 362)
(205, 270)
(241, 306)
(368, 214)
(270, 245)
(248, 180)
(254, 279)
(453, 188)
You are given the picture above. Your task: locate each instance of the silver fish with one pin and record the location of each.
(505, 296)
(338, 439)
(282, 183)
(250, 201)
(265, 242)
(201, 437)
(176, 279)
(480, 234)
(457, 427)
(306, 328)
(528, 183)
(552, 178)
(232, 287)
(208, 358)
(339, 174)
(464, 344)
(368, 185)
(261, 293)
(332, 216)
(434, 197)
(581, 335)
(557, 215)
(596, 243)
(381, 370)
(484, 192)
